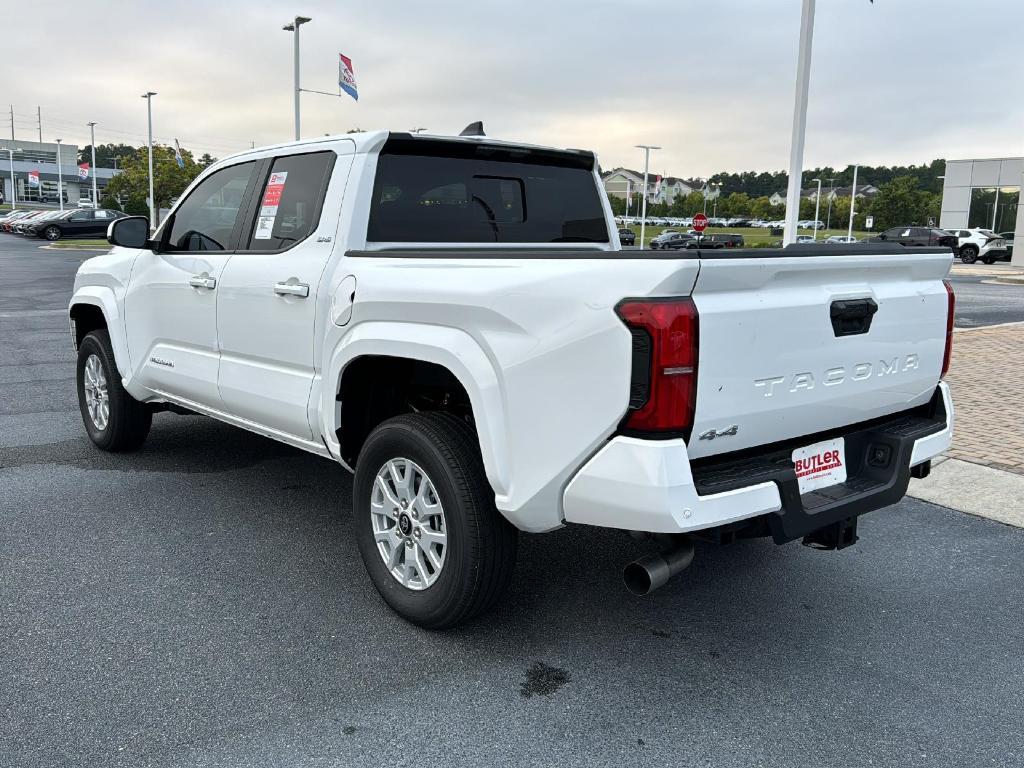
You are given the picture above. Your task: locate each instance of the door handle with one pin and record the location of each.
(202, 281)
(292, 289)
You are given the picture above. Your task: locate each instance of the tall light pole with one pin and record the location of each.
(14, 190)
(60, 178)
(853, 202)
(647, 164)
(817, 207)
(718, 191)
(148, 96)
(92, 140)
(293, 27)
(796, 150)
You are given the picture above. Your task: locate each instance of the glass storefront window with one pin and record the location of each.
(993, 208)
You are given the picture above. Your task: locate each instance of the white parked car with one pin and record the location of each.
(980, 245)
(841, 239)
(382, 300)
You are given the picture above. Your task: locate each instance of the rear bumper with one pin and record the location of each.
(651, 485)
(994, 253)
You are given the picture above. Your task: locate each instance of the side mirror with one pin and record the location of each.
(129, 232)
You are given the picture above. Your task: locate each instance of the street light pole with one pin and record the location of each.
(148, 96)
(796, 151)
(60, 179)
(647, 163)
(293, 27)
(92, 139)
(853, 202)
(817, 207)
(831, 193)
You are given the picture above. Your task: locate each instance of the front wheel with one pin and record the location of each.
(969, 254)
(435, 546)
(114, 419)
(52, 233)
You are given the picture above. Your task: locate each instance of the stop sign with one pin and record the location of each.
(700, 222)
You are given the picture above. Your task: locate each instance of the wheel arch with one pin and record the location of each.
(452, 351)
(94, 307)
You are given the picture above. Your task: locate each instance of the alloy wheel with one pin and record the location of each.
(97, 399)
(408, 524)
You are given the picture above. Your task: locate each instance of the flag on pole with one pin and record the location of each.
(83, 171)
(346, 78)
(657, 186)
(33, 178)
(177, 154)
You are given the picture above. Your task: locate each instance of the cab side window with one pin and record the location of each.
(290, 201)
(205, 220)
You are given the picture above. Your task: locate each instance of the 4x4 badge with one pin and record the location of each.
(711, 434)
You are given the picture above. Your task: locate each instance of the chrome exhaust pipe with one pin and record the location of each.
(645, 575)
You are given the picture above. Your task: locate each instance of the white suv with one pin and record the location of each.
(983, 244)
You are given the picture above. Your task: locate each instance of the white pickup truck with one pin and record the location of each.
(453, 319)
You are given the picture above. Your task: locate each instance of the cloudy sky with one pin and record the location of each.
(897, 81)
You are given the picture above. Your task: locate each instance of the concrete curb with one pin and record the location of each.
(73, 248)
(975, 489)
(1009, 279)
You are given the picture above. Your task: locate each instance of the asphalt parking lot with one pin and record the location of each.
(202, 603)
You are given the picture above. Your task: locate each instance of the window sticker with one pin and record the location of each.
(269, 205)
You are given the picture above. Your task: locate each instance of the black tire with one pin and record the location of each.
(129, 420)
(52, 233)
(988, 260)
(969, 254)
(481, 546)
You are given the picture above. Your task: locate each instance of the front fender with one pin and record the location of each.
(448, 347)
(103, 297)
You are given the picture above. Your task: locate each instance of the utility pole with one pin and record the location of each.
(148, 96)
(796, 151)
(60, 179)
(853, 201)
(12, 122)
(647, 164)
(293, 27)
(39, 121)
(92, 144)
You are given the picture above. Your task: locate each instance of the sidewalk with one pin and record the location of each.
(983, 473)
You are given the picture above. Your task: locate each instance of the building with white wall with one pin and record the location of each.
(984, 193)
(33, 157)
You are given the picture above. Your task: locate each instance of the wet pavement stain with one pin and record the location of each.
(348, 730)
(542, 680)
(660, 633)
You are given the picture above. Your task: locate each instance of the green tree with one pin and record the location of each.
(206, 160)
(901, 202)
(107, 153)
(169, 181)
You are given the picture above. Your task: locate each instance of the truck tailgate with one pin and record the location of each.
(796, 345)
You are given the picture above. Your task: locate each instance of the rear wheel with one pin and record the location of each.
(52, 233)
(969, 254)
(114, 419)
(433, 543)
(988, 260)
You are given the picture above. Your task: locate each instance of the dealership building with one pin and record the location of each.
(984, 193)
(22, 163)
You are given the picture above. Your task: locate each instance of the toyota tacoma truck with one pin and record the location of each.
(453, 320)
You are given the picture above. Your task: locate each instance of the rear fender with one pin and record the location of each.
(450, 348)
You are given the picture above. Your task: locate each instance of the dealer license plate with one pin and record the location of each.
(820, 465)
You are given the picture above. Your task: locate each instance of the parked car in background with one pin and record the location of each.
(804, 239)
(84, 223)
(727, 240)
(8, 219)
(841, 239)
(18, 227)
(627, 236)
(917, 236)
(980, 245)
(670, 240)
(85, 202)
(1008, 237)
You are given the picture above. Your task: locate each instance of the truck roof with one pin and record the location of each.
(370, 141)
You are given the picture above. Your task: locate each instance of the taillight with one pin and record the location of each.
(951, 298)
(663, 389)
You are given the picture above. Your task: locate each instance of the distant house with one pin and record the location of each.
(863, 190)
(779, 198)
(620, 180)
